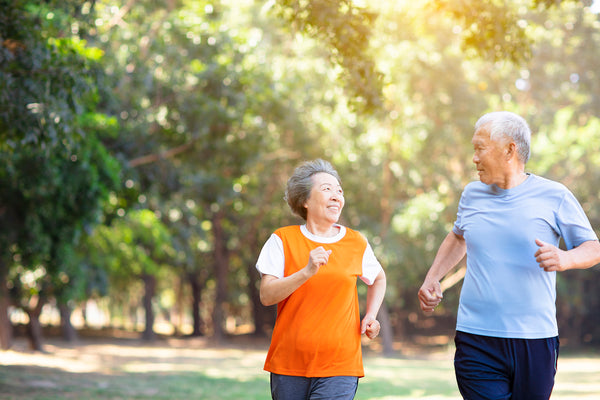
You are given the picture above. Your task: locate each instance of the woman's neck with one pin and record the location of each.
(322, 230)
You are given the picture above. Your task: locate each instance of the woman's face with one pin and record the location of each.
(326, 199)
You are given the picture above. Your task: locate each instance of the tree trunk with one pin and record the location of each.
(387, 334)
(34, 328)
(263, 316)
(133, 315)
(68, 331)
(221, 268)
(84, 314)
(6, 329)
(149, 289)
(179, 308)
(198, 324)
(254, 293)
(386, 201)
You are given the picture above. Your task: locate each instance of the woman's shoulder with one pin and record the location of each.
(354, 234)
(287, 230)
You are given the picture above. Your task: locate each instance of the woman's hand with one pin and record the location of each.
(370, 326)
(316, 259)
(273, 289)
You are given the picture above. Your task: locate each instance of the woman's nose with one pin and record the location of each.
(336, 196)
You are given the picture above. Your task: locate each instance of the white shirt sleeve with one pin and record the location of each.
(271, 260)
(371, 266)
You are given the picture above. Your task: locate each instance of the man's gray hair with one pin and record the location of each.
(505, 124)
(300, 184)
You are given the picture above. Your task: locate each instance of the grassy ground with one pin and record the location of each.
(193, 369)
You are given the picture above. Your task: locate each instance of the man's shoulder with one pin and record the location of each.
(545, 183)
(533, 181)
(474, 187)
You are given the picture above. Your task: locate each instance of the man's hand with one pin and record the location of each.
(430, 295)
(550, 257)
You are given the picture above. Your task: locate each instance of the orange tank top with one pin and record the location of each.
(317, 330)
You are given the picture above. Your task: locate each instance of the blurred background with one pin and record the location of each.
(146, 144)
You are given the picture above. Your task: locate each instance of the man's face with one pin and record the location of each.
(489, 157)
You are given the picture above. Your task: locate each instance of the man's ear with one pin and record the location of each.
(510, 150)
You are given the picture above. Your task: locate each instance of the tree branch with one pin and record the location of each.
(151, 158)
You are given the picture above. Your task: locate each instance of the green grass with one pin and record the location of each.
(193, 370)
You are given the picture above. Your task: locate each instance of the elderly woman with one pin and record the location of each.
(310, 272)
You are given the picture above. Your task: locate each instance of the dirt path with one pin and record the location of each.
(102, 367)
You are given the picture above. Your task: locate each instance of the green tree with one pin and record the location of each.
(52, 181)
(136, 247)
(197, 99)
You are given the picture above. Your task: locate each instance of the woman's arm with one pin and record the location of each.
(273, 289)
(375, 294)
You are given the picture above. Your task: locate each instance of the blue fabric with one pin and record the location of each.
(286, 387)
(505, 293)
(489, 368)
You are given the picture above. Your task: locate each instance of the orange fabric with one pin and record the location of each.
(317, 331)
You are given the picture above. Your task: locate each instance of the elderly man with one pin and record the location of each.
(509, 225)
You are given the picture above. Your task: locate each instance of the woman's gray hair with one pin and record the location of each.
(300, 184)
(505, 124)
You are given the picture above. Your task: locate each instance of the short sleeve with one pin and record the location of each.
(575, 228)
(371, 266)
(457, 228)
(271, 260)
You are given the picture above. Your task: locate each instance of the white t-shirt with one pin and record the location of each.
(271, 260)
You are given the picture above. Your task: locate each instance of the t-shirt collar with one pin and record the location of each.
(320, 239)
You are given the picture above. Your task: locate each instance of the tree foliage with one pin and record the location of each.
(208, 106)
(345, 29)
(54, 175)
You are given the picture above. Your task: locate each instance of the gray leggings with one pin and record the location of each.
(286, 387)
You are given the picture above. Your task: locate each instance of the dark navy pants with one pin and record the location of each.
(285, 387)
(491, 368)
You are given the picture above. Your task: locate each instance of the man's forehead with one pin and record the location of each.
(480, 135)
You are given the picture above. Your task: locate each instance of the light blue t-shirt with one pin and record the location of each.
(505, 293)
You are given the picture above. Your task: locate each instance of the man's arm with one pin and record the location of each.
(451, 251)
(551, 258)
